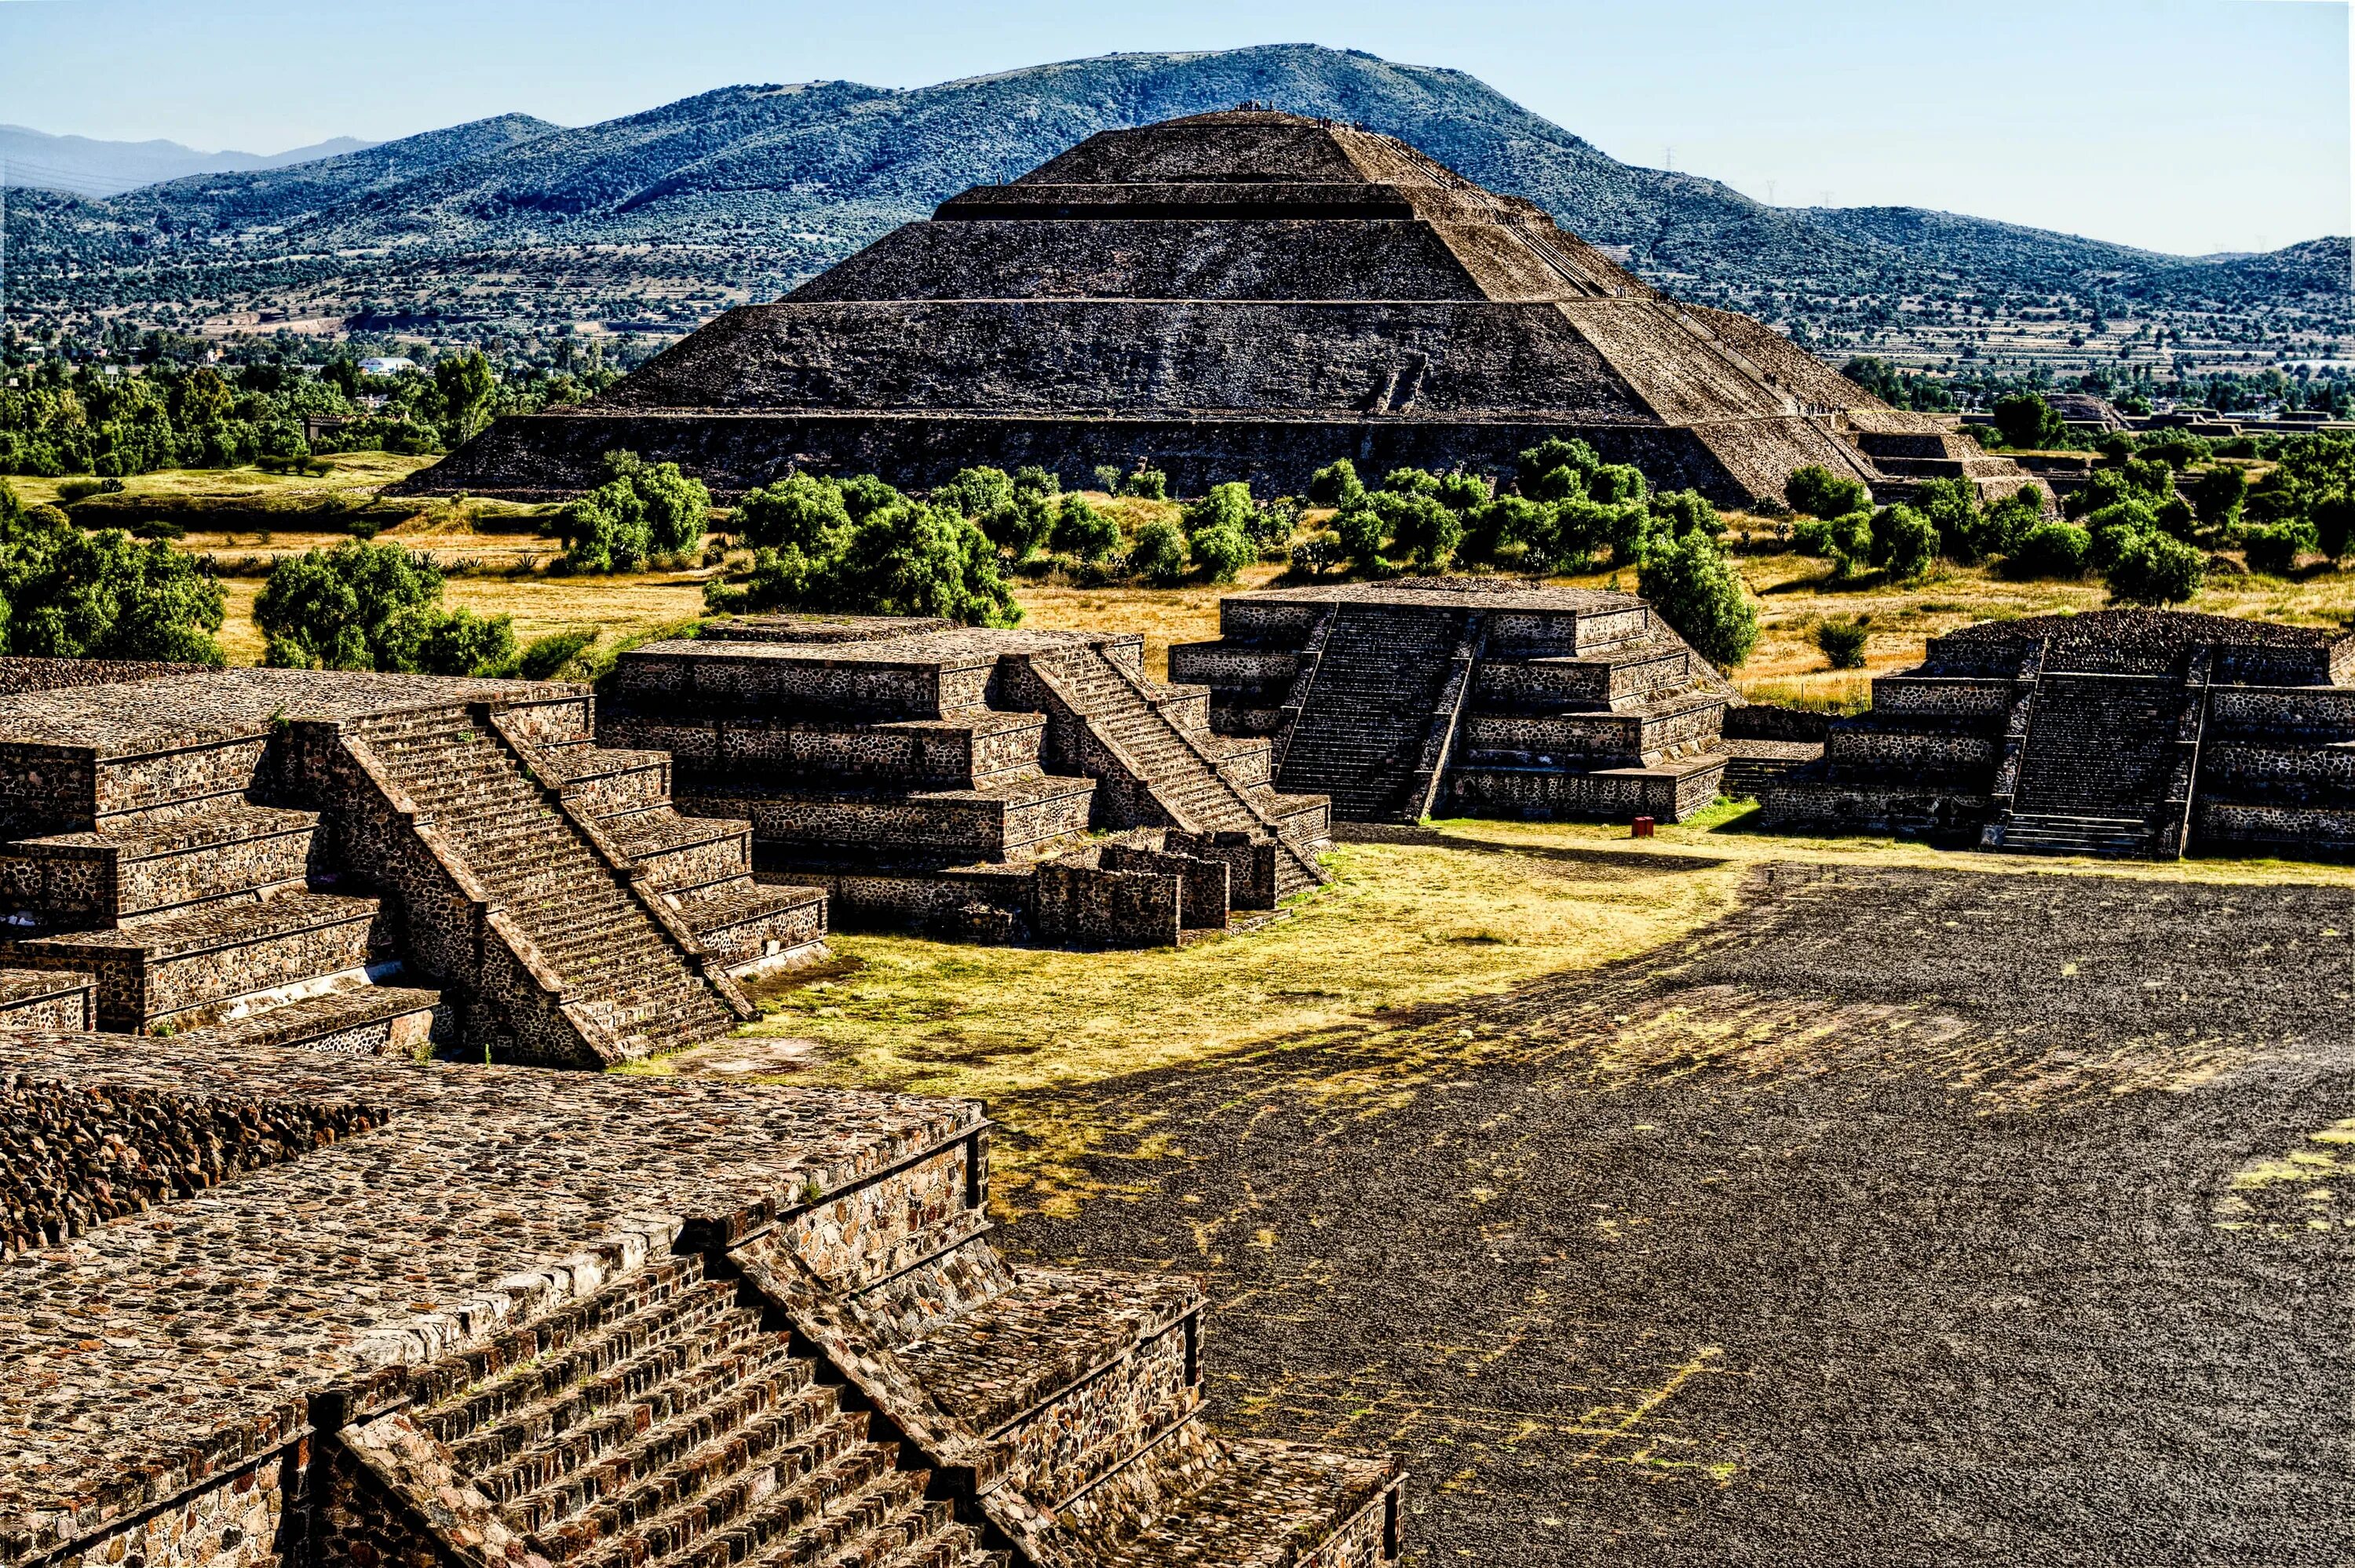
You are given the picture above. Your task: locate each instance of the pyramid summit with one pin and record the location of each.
(1244, 294)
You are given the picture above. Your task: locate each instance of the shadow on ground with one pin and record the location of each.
(1907, 1217)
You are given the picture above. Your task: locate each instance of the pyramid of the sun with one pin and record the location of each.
(1239, 295)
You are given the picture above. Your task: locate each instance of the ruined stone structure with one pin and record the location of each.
(275, 1308)
(364, 863)
(1239, 295)
(951, 777)
(2132, 733)
(1466, 696)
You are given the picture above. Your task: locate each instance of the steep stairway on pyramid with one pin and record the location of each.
(958, 780)
(1369, 709)
(2094, 775)
(866, 1381)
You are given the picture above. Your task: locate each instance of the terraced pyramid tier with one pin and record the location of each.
(1237, 295)
(1470, 696)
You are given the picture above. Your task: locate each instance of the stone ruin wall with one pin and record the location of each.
(71, 1159)
(18, 675)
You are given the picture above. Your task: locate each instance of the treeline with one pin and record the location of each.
(861, 546)
(2132, 389)
(66, 593)
(64, 419)
(2147, 524)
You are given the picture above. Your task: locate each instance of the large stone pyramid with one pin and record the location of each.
(1244, 294)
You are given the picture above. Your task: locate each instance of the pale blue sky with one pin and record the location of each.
(2186, 125)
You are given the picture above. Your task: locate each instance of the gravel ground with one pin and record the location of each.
(1906, 1217)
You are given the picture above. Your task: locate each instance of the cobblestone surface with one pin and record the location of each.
(1906, 1218)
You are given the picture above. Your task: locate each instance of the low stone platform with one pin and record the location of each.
(953, 779)
(1472, 697)
(275, 1307)
(2122, 732)
(212, 846)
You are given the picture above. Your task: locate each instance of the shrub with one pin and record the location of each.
(1410, 482)
(1362, 532)
(2219, 493)
(1464, 492)
(902, 557)
(1555, 470)
(799, 510)
(1845, 541)
(1336, 484)
(2050, 550)
(1083, 533)
(1226, 506)
(1420, 526)
(1146, 485)
(2152, 568)
(374, 606)
(641, 510)
(1316, 557)
(2003, 524)
(1032, 480)
(2334, 524)
(2274, 550)
(1107, 477)
(1158, 554)
(976, 491)
(1843, 643)
(1223, 551)
(1614, 483)
(547, 658)
(66, 594)
(2026, 420)
(1819, 492)
(1498, 527)
(1693, 587)
(1270, 526)
(1952, 505)
(1904, 543)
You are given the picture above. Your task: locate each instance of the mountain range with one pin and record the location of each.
(85, 166)
(512, 223)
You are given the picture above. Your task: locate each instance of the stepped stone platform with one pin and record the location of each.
(993, 785)
(1242, 295)
(2123, 732)
(1466, 696)
(271, 1307)
(368, 863)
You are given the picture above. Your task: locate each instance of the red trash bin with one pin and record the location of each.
(1643, 828)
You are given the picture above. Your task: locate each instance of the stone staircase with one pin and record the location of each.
(627, 980)
(1360, 736)
(701, 867)
(1162, 735)
(921, 1406)
(2095, 771)
(663, 1423)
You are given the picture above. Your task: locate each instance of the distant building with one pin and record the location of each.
(388, 364)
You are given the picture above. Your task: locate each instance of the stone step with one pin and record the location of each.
(185, 968)
(796, 1506)
(1209, 1503)
(359, 1021)
(132, 867)
(2054, 834)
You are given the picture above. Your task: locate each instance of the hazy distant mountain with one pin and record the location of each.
(80, 165)
(745, 190)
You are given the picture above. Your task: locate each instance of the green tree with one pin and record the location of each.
(1362, 531)
(1818, 491)
(800, 510)
(1692, 587)
(1158, 555)
(1904, 542)
(1336, 484)
(1555, 470)
(2027, 421)
(467, 386)
(2049, 549)
(2275, 549)
(66, 594)
(1082, 532)
(2152, 568)
(374, 606)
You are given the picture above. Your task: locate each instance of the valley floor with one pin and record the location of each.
(1730, 1199)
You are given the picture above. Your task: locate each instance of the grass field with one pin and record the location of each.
(243, 519)
(1434, 918)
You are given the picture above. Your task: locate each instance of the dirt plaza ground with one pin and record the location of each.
(1902, 1212)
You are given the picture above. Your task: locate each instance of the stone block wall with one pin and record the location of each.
(1202, 901)
(73, 1158)
(1082, 906)
(252, 1519)
(18, 676)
